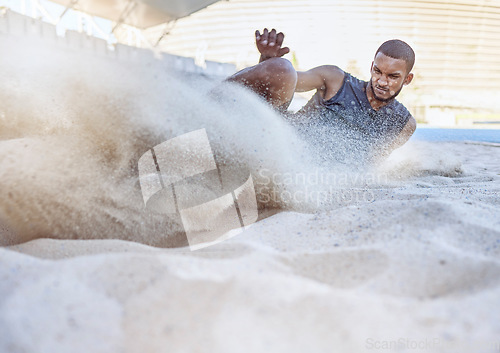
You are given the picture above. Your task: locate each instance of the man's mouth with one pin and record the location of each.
(381, 90)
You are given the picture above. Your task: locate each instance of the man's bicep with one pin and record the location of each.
(328, 80)
(309, 80)
(320, 78)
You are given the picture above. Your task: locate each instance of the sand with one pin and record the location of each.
(415, 269)
(403, 257)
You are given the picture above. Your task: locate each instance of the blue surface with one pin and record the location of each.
(436, 134)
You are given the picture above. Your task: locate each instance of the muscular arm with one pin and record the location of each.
(405, 134)
(326, 79)
(399, 141)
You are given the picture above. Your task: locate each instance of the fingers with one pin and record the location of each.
(283, 51)
(279, 39)
(264, 37)
(272, 37)
(269, 38)
(269, 43)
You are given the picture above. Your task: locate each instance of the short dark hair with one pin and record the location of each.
(398, 49)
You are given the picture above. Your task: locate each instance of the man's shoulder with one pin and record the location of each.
(398, 114)
(398, 108)
(355, 82)
(354, 87)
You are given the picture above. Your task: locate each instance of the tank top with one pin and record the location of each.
(345, 128)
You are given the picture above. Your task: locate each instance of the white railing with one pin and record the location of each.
(15, 24)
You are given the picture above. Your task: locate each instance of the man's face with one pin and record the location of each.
(389, 75)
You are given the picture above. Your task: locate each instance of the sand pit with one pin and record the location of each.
(415, 269)
(402, 258)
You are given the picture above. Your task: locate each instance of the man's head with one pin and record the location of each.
(391, 69)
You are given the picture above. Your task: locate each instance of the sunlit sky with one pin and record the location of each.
(69, 21)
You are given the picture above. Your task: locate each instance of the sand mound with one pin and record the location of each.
(416, 269)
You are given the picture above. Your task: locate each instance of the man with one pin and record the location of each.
(352, 120)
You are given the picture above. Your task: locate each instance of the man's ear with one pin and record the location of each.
(408, 79)
(371, 67)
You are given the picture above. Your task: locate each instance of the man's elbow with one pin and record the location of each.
(412, 126)
(408, 129)
(406, 133)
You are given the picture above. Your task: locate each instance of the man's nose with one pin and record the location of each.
(382, 81)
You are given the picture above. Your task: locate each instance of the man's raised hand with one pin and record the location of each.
(269, 44)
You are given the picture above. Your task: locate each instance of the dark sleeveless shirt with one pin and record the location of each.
(346, 128)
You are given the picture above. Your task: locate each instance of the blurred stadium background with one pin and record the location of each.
(457, 72)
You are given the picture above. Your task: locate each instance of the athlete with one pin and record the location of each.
(352, 120)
